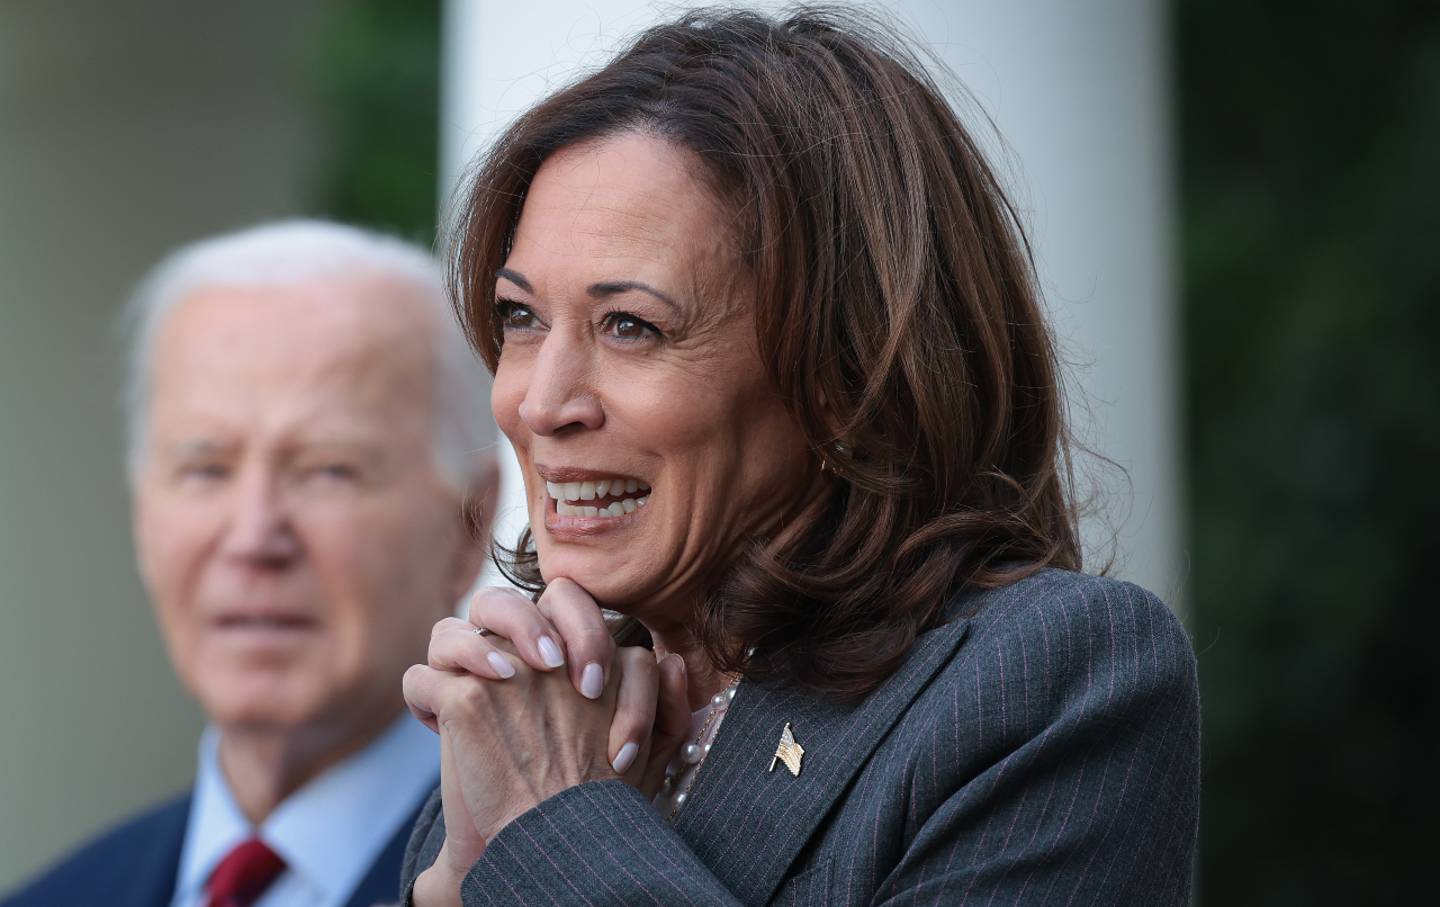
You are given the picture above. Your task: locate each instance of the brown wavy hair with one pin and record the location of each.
(897, 313)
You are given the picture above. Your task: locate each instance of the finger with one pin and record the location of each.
(588, 647)
(452, 797)
(419, 686)
(508, 613)
(672, 722)
(639, 685)
(456, 647)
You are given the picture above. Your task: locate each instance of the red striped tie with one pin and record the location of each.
(243, 875)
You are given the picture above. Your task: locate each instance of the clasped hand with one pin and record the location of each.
(542, 702)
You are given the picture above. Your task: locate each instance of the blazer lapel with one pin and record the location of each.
(749, 823)
(152, 860)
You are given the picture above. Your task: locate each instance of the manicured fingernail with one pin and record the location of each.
(592, 681)
(501, 664)
(625, 757)
(550, 653)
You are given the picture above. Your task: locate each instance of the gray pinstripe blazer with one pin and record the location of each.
(1041, 748)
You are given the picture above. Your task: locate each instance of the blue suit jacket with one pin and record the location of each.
(1040, 748)
(135, 865)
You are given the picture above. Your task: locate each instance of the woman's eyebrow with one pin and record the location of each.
(596, 290)
(612, 287)
(516, 278)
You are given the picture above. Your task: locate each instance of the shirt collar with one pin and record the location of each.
(332, 829)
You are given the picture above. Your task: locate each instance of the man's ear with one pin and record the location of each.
(475, 517)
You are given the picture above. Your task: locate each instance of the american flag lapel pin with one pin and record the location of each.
(788, 752)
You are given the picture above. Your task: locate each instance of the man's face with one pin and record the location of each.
(292, 531)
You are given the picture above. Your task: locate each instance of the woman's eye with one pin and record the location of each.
(513, 315)
(625, 326)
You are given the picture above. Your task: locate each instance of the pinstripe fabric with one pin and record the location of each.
(1041, 748)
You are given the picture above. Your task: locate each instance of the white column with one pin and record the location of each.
(1079, 93)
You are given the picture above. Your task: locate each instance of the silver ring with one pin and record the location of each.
(481, 631)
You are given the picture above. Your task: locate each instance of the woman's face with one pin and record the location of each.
(651, 441)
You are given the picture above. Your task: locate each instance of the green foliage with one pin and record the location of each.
(376, 74)
(1311, 198)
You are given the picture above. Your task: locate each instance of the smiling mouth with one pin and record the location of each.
(602, 498)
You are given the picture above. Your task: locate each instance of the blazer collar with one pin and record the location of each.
(748, 823)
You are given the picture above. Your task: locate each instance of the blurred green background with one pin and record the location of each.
(1310, 164)
(374, 72)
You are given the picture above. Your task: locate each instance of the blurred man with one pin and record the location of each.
(305, 421)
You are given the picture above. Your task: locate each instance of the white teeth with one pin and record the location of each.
(613, 509)
(567, 496)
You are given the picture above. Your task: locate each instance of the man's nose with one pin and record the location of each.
(260, 531)
(560, 397)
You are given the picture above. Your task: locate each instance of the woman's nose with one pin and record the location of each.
(558, 398)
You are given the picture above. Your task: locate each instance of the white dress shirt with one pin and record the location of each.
(328, 833)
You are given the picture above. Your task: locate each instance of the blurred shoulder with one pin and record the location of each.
(143, 849)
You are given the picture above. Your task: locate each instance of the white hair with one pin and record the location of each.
(297, 252)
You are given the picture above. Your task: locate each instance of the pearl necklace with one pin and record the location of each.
(680, 774)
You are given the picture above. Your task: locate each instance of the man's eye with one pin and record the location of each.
(335, 472)
(625, 326)
(203, 472)
(513, 315)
